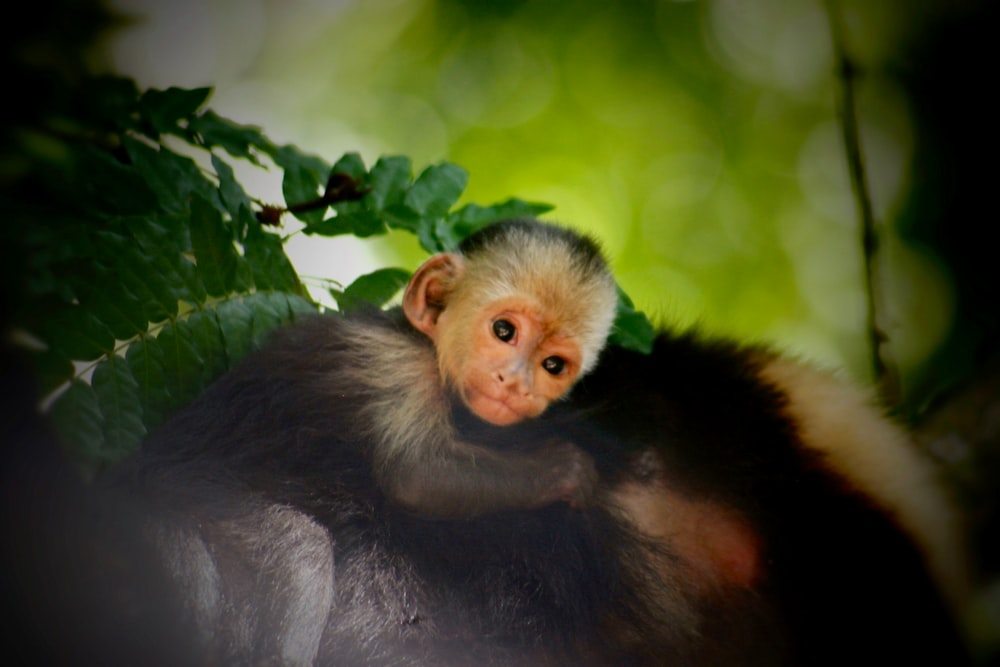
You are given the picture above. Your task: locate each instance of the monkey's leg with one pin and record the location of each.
(259, 585)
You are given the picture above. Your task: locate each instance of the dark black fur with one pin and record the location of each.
(555, 586)
(846, 585)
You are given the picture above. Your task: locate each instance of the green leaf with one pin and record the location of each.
(163, 243)
(270, 310)
(215, 255)
(305, 177)
(301, 185)
(272, 270)
(245, 322)
(235, 318)
(375, 288)
(76, 333)
(157, 298)
(164, 387)
(76, 414)
(352, 165)
(631, 330)
(443, 234)
(116, 304)
(183, 378)
(206, 337)
(426, 235)
(400, 216)
(237, 140)
(448, 233)
(105, 187)
(145, 360)
(234, 197)
(173, 368)
(299, 306)
(164, 108)
(436, 235)
(177, 365)
(390, 180)
(436, 189)
(174, 178)
(50, 259)
(472, 217)
(118, 397)
(290, 157)
(352, 218)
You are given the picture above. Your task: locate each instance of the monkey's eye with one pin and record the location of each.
(504, 330)
(553, 365)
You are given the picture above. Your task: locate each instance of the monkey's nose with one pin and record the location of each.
(514, 383)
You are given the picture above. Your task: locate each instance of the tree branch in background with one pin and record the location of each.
(340, 187)
(885, 372)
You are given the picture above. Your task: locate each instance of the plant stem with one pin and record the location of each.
(885, 373)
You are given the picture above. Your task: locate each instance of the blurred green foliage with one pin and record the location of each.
(699, 140)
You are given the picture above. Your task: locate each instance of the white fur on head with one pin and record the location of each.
(559, 270)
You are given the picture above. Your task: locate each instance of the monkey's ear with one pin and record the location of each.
(428, 291)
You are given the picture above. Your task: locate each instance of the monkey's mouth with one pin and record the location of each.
(496, 411)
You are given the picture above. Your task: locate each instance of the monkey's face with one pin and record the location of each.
(507, 361)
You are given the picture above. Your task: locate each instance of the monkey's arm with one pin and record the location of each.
(454, 479)
(419, 460)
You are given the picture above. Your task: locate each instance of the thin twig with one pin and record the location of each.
(885, 372)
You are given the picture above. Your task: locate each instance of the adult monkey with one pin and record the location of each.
(749, 511)
(760, 538)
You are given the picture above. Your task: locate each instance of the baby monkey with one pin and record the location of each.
(517, 314)
(504, 325)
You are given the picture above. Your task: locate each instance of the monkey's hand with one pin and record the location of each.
(567, 474)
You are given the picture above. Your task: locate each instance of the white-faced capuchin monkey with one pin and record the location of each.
(516, 315)
(503, 326)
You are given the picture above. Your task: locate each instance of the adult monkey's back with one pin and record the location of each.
(749, 511)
